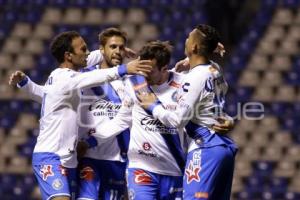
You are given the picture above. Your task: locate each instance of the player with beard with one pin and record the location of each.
(54, 157)
(156, 152)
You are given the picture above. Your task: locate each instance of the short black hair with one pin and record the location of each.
(158, 50)
(110, 32)
(210, 38)
(62, 43)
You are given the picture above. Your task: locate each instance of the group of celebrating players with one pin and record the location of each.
(110, 130)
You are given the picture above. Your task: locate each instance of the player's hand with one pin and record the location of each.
(16, 77)
(225, 125)
(220, 49)
(130, 53)
(146, 99)
(182, 65)
(140, 67)
(81, 149)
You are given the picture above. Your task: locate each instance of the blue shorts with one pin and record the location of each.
(146, 185)
(101, 179)
(55, 180)
(209, 173)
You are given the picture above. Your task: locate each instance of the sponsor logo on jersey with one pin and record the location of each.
(154, 125)
(57, 184)
(87, 173)
(46, 171)
(141, 177)
(201, 195)
(192, 173)
(148, 154)
(193, 169)
(147, 146)
(104, 108)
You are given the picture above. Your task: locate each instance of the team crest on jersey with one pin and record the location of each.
(141, 177)
(57, 184)
(46, 171)
(87, 173)
(193, 169)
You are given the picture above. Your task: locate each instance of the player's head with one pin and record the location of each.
(112, 46)
(160, 54)
(70, 47)
(203, 40)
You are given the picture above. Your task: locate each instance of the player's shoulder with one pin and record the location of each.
(90, 68)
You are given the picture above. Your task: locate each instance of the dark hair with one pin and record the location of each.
(158, 50)
(209, 38)
(110, 32)
(61, 44)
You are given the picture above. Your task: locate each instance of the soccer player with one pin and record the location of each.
(156, 152)
(54, 158)
(210, 160)
(102, 170)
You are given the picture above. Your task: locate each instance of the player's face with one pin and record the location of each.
(156, 74)
(80, 53)
(114, 51)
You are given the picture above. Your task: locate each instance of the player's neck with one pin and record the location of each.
(104, 65)
(196, 60)
(68, 65)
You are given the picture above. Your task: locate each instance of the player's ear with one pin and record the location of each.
(68, 56)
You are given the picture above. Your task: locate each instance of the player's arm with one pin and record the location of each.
(19, 79)
(99, 76)
(192, 92)
(94, 58)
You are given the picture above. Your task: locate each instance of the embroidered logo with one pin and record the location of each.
(141, 177)
(46, 171)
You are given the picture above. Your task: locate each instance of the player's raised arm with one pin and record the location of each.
(35, 91)
(99, 76)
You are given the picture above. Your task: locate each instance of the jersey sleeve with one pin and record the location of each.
(93, 78)
(94, 58)
(192, 92)
(34, 90)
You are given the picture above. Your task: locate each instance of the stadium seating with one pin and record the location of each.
(264, 67)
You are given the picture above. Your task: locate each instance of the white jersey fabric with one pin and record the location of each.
(99, 105)
(201, 100)
(60, 103)
(148, 148)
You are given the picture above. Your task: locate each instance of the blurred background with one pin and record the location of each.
(262, 64)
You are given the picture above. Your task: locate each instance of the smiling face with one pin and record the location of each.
(113, 51)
